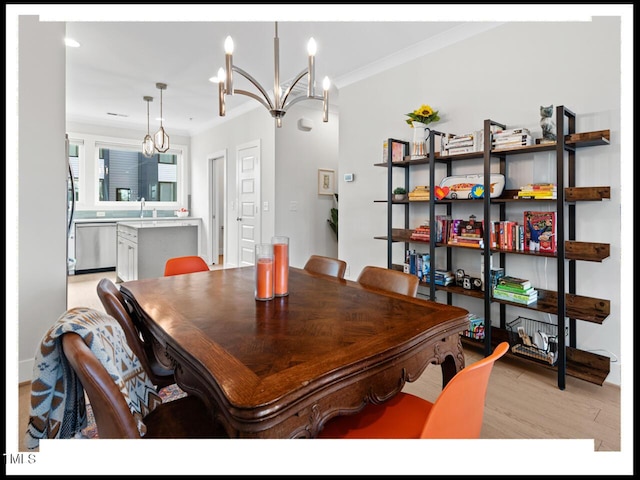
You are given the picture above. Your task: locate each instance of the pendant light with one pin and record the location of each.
(161, 138)
(148, 147)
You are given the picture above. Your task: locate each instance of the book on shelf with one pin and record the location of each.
(511, 131)
(511, 288)
(476, 327)
(539, 186)
(540, 231)
(523, 283)
(515, 144)
(515, 297)
(512, 139)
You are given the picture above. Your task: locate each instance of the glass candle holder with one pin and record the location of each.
(264, 271)
(281, 265)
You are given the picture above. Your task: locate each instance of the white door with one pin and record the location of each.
(248, 218)
(217, 205)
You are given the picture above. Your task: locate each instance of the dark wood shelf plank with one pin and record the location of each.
(587, 366)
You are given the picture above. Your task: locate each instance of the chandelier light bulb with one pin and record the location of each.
(312, 48)
(326, 83)
(228, 45)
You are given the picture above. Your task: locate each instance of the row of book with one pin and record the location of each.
(465, 143)
(516, 290)
(476, 327)
(536, 233)
(538, 191)
(512, 138)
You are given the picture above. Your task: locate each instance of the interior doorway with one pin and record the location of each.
(248, 188)
(217, 207)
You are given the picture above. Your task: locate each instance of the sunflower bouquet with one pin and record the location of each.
(425, 114)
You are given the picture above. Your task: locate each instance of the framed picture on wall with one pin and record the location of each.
(326, 181)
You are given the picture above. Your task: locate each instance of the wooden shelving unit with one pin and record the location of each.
(567, 307)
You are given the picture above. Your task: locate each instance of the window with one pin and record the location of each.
(127, 175)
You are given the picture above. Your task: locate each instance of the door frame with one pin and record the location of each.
(215, 207)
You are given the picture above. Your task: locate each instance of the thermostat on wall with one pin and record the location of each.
(348, 177)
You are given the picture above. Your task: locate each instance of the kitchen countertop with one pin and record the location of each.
(183, 222)
(132, 219)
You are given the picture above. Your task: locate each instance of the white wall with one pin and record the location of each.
(299, 155)
(42, 186)
(505, 74)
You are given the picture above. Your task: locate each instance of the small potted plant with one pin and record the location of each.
(399, 193)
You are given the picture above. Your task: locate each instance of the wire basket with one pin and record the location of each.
(534, 339)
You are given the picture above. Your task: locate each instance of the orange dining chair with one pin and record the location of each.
(456, 413)
(185, 417)
(389, 280)
(114, 304)
(188, 264)
(326, 266)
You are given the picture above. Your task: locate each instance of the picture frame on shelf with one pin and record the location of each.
(326, 181)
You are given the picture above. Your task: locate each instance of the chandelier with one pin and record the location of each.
(282, 100)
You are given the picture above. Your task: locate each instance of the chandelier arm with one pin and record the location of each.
(255, 84)
(293, 84)
(300, 99)
(255, 97)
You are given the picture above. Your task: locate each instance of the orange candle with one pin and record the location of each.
(264, 279)
(281, 263)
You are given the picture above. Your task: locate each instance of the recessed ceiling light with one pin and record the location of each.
(70, 42)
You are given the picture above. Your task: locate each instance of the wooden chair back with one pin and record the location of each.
(114, 304)
(326, 266)
(389, 280)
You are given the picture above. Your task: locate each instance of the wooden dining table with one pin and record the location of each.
(282, 368)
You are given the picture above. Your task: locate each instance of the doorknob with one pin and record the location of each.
(239, 219)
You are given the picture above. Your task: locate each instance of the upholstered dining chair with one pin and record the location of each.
(326, 266)
(185, 417)
(389, 280)
(186, 264)
(457, 413)
(114, 304)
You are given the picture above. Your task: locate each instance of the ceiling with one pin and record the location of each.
(118, 63)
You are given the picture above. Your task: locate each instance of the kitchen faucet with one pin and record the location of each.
(142, 207)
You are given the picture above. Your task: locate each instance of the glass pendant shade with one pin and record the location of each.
(161, 139)
(148, 146)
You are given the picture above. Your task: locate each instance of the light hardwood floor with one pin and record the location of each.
(523, 402)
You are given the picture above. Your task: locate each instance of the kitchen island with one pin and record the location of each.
(145, 246)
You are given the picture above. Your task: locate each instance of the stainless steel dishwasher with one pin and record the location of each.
(96, 245)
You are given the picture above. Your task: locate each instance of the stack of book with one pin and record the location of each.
(512, 138)
(466, 143)
(476, 327)
(441, 277)
(539, 191)
(421, 233)
(419, 193)
(516, 290)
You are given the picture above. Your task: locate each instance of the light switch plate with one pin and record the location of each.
(348, 177)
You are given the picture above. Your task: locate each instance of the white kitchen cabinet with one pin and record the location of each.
(144, 247)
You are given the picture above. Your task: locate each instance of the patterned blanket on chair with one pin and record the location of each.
(57, 396)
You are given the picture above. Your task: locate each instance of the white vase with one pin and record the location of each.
(420, 132)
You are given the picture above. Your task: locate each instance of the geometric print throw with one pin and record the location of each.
(57, 397)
